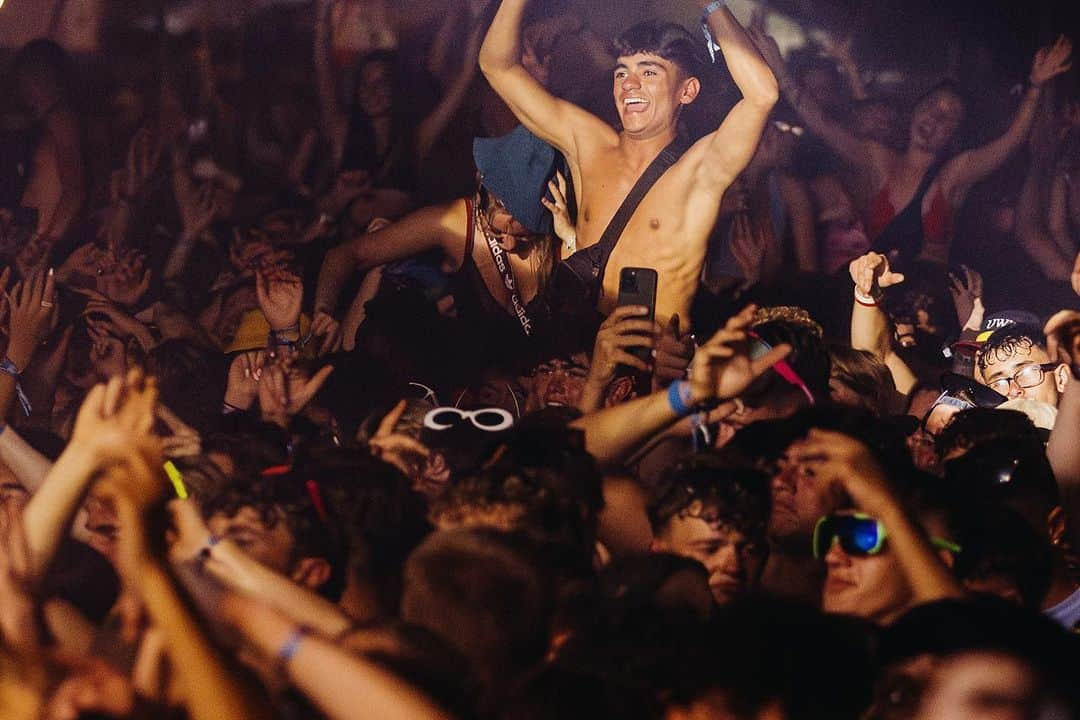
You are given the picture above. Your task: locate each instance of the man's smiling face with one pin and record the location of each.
(648, 92)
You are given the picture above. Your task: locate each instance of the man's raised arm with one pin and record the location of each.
(734, 143)
(546, 116)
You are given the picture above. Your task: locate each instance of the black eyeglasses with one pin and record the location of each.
(1028, 376)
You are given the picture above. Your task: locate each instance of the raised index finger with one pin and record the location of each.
(386, 425)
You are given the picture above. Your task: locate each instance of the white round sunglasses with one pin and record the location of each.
(487, 419)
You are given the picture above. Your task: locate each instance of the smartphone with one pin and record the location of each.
(637, 286)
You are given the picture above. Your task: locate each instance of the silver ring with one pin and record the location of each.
(46, 304)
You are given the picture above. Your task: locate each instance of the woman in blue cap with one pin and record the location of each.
(497, 244)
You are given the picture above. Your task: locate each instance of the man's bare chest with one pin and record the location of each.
(605, 191)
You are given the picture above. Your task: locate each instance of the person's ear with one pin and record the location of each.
(691, 88)
(311, 572)
(1062, 376)
(1057, 526)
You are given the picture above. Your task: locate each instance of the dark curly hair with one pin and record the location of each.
(708, 486)
(667, 40)
(1009, 341)
(285, 499)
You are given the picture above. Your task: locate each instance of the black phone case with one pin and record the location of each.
(637, 286)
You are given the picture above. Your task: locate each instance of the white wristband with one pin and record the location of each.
(864, 299)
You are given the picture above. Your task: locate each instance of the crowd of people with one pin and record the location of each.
(363, 367)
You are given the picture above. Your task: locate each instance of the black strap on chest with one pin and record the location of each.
(589, 264)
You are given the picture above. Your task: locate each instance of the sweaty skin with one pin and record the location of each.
(670, 228)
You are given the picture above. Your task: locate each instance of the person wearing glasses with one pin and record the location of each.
(879, 560)
(1014, 362)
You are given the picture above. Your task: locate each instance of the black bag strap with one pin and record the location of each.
(597, 255)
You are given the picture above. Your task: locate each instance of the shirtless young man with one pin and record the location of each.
(652, 82)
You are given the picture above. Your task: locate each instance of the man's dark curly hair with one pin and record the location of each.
(667, 40)
(544, 479)
(979, 426)
(710, 486)
(284, 499)
(1007, 342)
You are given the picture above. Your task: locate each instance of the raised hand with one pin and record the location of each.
(871, 272)
(115, 416)
(626, 327)
(183, 440)
(325, 326)
(285, 390)
(1051, 61)
(965, 291)
(403, 452)
(674, 351)
(126, 280)
(122, 321)
(560, 212)
(722, 368)
(243, 383)
(84, 262)
(34, 253)
(280, 294)
(848, 465)
(33, 308)
(108, 353)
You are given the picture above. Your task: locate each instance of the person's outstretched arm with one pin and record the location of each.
(334, 120)
(110, 418)
(970, 166)
(721, 369)
(343, 685)
(208, 681)
(434, 124)
(1031, 232)
(734, 143)
(1063, 450)
(869, 324)
(854, 150)
(427, 228)
(29, 466)
(551, 119)
(63, 127)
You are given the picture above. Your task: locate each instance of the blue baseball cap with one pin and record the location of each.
(516, 169)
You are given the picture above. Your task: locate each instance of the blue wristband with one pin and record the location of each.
(711, 8)
(288, 650)
(9, 368)
(675, 395)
